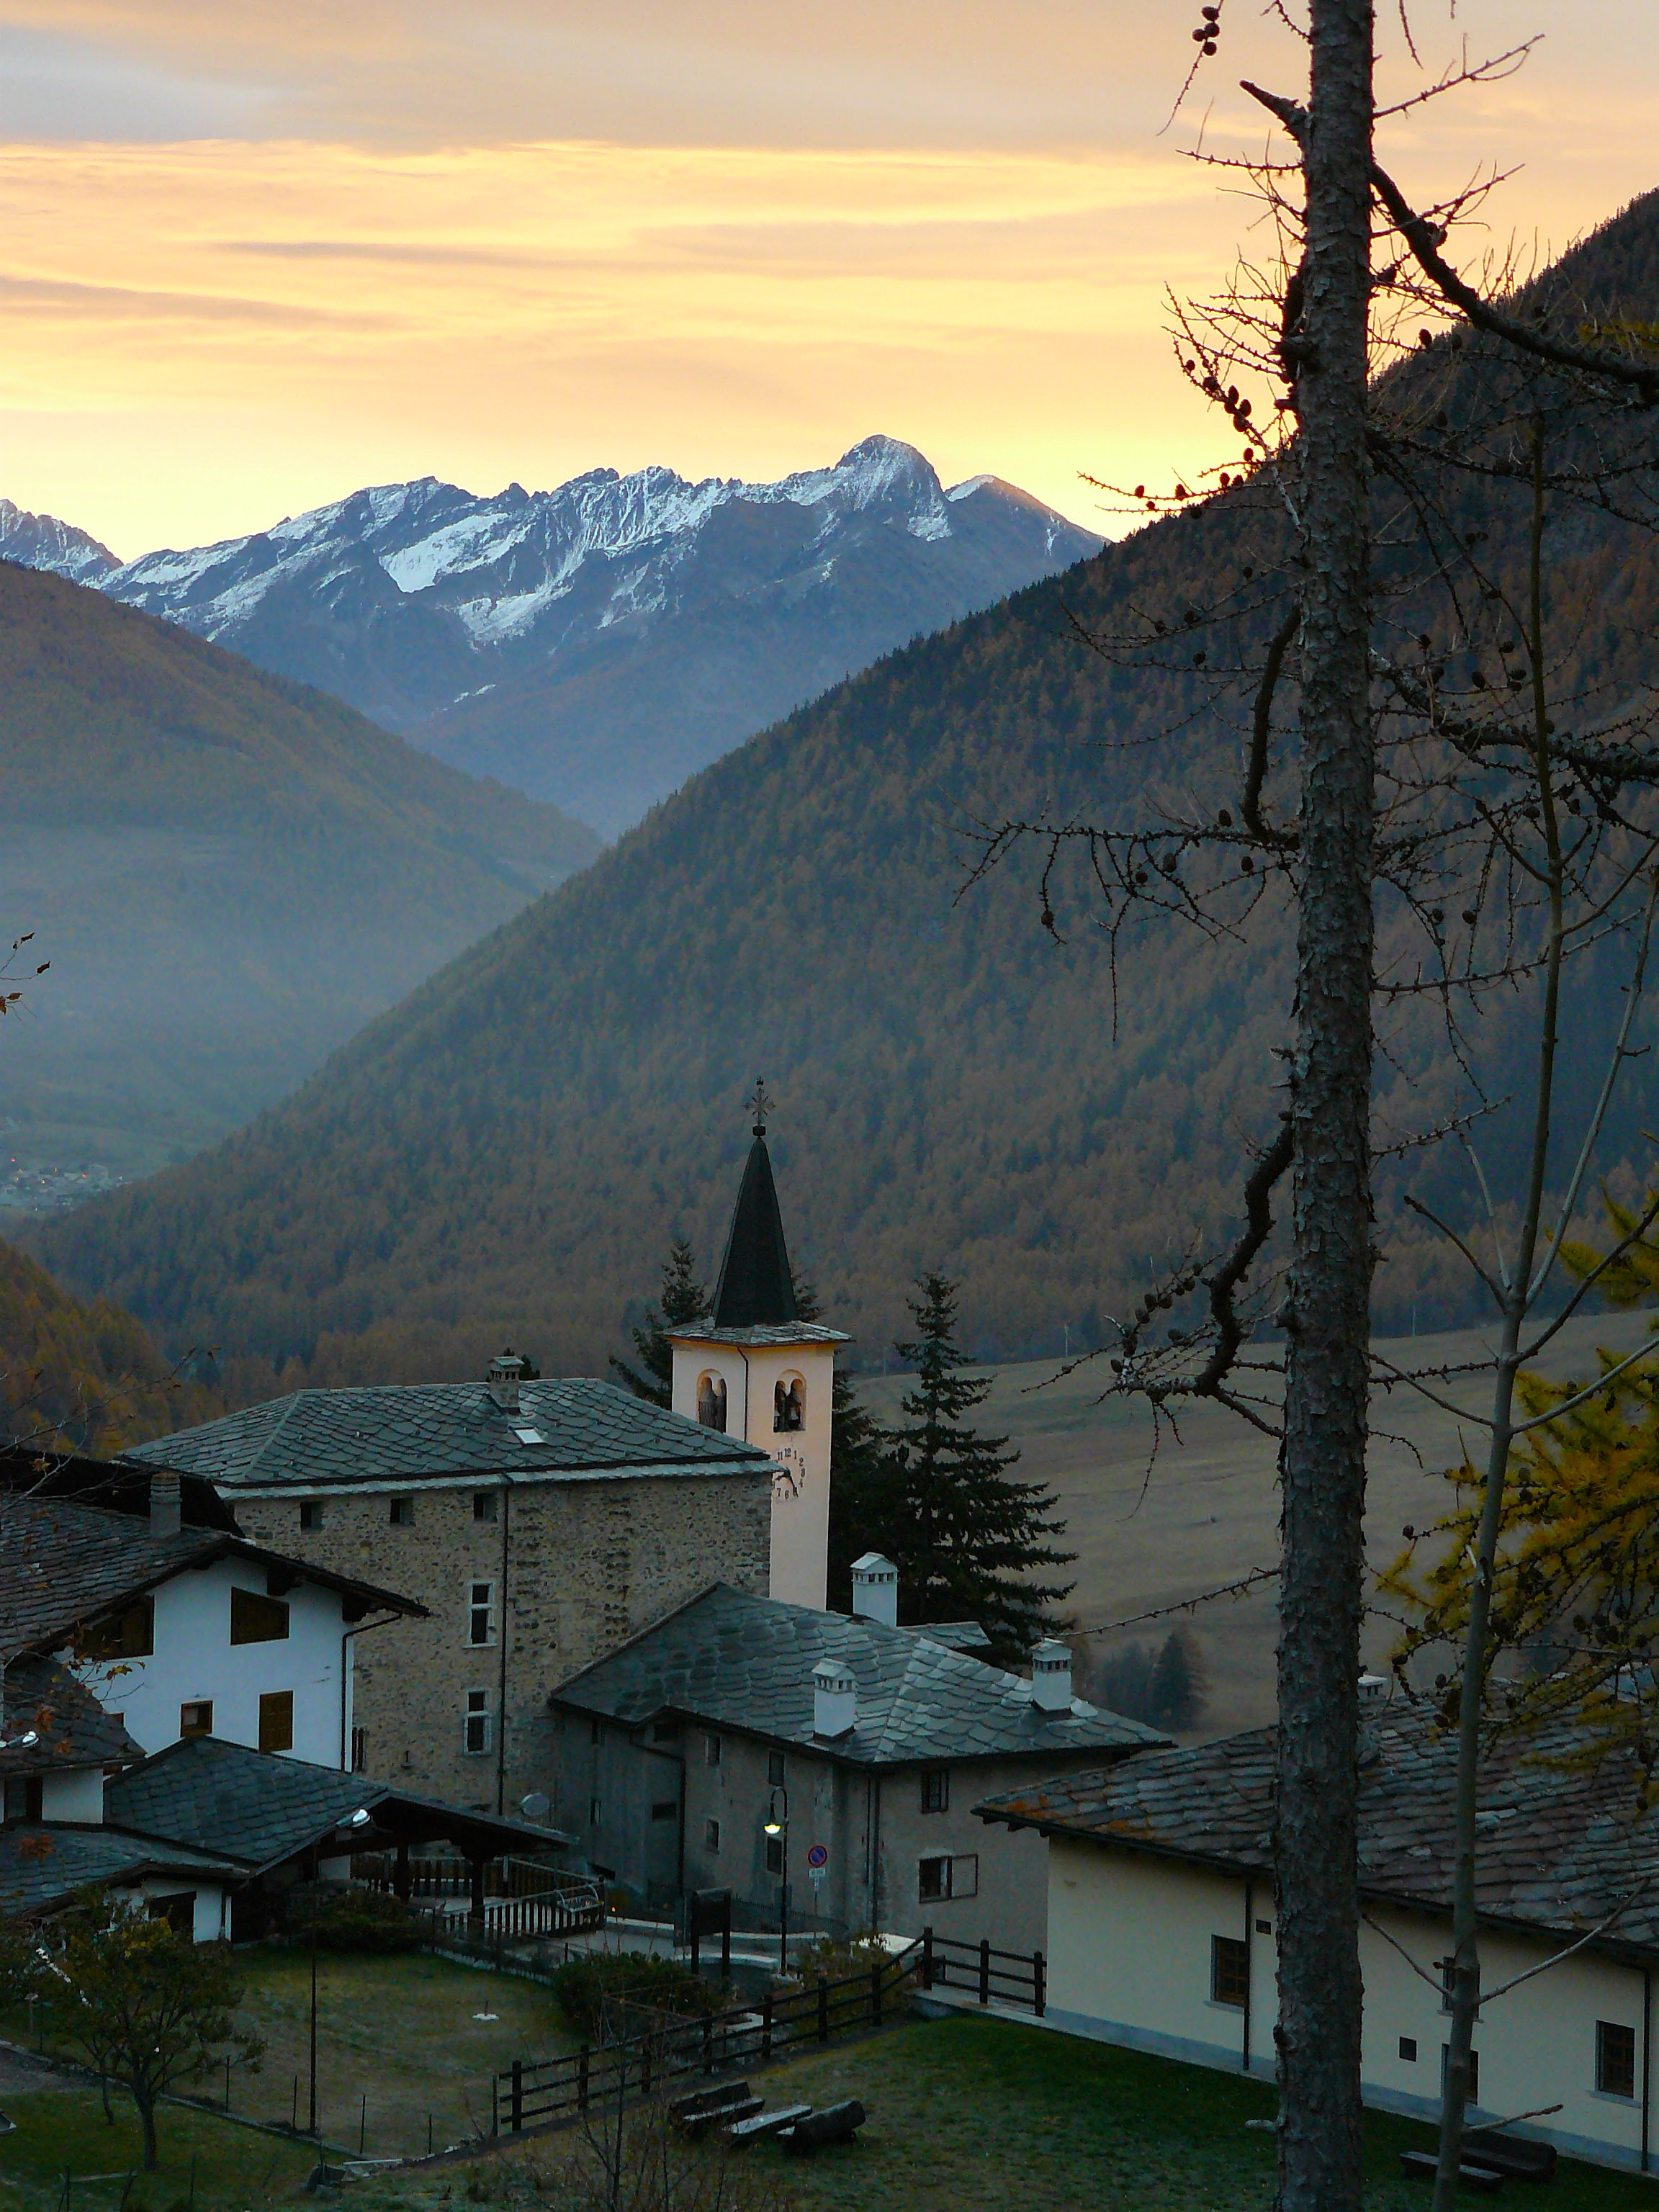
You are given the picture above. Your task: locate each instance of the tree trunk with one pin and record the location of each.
(144, 2103)
(1328, 1310)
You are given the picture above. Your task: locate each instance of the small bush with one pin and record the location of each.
(837, 1959)
(583, 1985)
(350, 1919)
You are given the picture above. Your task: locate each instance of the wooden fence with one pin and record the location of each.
(435, 1875)
(1011, 1977)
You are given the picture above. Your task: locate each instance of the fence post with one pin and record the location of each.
(824, 2009)
(581, 2079)
(875, 1996)
(985, 1970)
(494, 2105)
(766, 2025)
(517, 2096)
(927, 1958)
(1039, 1984)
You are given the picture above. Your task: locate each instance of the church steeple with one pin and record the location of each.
(756, 1289)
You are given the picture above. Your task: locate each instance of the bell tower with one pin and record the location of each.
(756, 1370)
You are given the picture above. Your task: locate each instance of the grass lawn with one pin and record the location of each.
(980, 2116)
(236, 2170)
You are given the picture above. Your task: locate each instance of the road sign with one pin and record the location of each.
(817, 1857)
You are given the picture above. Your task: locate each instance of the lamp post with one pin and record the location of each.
(360, 1819)
(778, 1827)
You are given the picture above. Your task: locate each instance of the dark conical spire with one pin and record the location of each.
(756, 1289)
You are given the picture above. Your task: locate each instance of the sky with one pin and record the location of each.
(257, 255)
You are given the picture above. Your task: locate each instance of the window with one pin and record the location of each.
(483, 1505)
(481, 1613)
(711, 1835)
(1264, 1927)
(774, 1855)
(775, 1770)
(311, 1513)
(196, 1718)
(400, 1512)
(711, 1750)
(933, 1879)
(178, 1910)
(935, 1790)
(256, 1619)
(475, 1735)
(1408, 2049)
(595, 1812)
(277, 1721)
(128, 1635)
(1615, 2059)
(1448, 1971)
(360, 1751)
(664, 1808)
(1474, 2096)
(711, 1402)
(1230, 1971)
(23, 1795)
(789, 1404)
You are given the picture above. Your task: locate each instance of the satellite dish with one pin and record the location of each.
(537, 1806)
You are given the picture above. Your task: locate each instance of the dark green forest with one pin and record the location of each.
(1047, 1116)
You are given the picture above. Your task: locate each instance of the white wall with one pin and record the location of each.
(1129, 1961)
(800, 1488)
(212, 1917)
(195, 1659)
(77, 1795)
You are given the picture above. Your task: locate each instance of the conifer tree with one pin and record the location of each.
(684, 1299)
(862, 1486)
(965, 1539)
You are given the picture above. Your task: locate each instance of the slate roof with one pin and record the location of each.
(761, 1338)
(116, 1484)
(756, 1289)
(72, 1728)
(257, 1808)
(1560, 1847)
(393, 1435)
(42, 1863)
(738, 1662)
(62, 1563)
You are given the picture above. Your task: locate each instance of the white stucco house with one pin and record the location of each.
(1161, 1921)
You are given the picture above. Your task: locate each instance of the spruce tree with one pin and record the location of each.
(966, 1542)
(1173, 1700)
(861, 1486)
(682, 1299)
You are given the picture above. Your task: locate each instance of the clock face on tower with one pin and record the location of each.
(790, 1479)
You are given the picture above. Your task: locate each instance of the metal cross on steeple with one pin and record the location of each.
(760, 1105)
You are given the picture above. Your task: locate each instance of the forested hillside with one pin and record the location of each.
(228, 873)
(507, 1153)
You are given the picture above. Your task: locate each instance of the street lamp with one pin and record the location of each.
(360, 1819)
(778, 1827)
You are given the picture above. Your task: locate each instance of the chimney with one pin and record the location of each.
(165, 1513)
(875, 1590)
(835, 1699)
(1373, 1703)
(507, 1372)
(1051, 1676)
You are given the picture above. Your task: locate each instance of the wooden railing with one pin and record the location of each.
(450, 1876)
(527, 2094)
(1011, 1977)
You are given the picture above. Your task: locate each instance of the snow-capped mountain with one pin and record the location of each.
(40, 541)
(597, 644)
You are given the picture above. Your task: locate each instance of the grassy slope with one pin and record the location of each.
(505, 1154)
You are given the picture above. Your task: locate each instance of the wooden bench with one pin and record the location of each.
(707, 2108)
(1512, 2156)
(1480, 2180)
(835, 2124)
(767, 2124)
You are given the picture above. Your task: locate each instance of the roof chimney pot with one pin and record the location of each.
(165, 1508)
(1051, 1676)
(507, 1370)
(835, 1699)
(875, 1590)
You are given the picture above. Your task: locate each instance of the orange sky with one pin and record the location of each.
(255, 256)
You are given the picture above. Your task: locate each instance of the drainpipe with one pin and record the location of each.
(874, 1792)
(357, 1629)
(1647, 2059)
(501, 1693)
(1249, 1930)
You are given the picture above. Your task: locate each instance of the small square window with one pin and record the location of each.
(196, 1718)
(711, 1750)
(664, 1808)
(400, 1512)
(711, 1835)
(1264, 1927)
(475, 1734)
(932, 1880)
(311, 1513)
(483, 1505)
(255, 1619)
(277, 1721)
(774, 1769)
(1408, 2049)
(1230, 1971)
(1473, 2097)
(1615, 2058)
(128, 1635)
(935, 1790)
(774, 1855)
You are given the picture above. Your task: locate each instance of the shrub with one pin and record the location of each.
(350, 1919)
(583, 1987)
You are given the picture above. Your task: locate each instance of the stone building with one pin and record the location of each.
(854, 1738)
(539, 1524)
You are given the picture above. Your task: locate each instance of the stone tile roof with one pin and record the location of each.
(1562, 1845)
(762, 1336)
(115, 1484)
(577, 1428)
(71, 1728)
(257, 1808)
(734, 1661)
(62, 1563)
(40, 1864)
